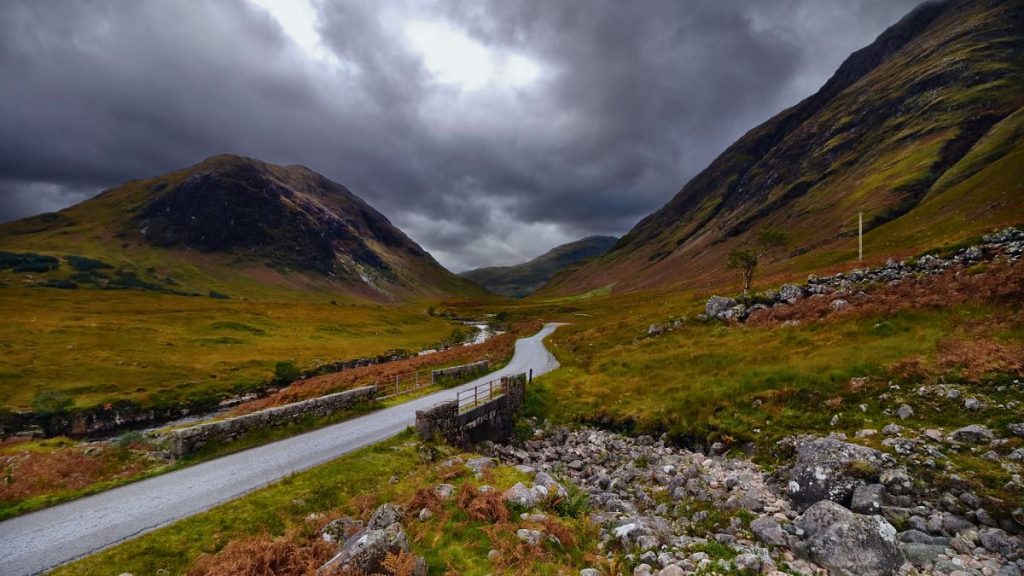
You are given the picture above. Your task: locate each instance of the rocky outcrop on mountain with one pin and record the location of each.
(665, 507)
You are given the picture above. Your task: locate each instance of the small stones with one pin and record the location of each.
(520, 495)
(972, 403)
(531, 537)
(905, 412)
(444, 491)
(769, 531)
(747, 564)
(892, 429)
(478, 465)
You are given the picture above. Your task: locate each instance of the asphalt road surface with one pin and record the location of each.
(36, 542)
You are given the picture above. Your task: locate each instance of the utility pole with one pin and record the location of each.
(860, 236)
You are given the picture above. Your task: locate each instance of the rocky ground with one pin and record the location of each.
(1003, 247)
(840, 508)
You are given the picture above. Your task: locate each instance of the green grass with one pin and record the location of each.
(267, 511)
(102, 346)
(708, 382)
(350, 485)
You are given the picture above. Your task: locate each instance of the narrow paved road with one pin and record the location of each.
(39, 541)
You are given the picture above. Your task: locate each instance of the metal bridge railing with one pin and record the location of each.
(480, 394)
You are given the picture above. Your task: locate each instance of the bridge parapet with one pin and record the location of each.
(484, 412)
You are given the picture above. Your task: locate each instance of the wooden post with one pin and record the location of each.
(530, 381)
(860, 236)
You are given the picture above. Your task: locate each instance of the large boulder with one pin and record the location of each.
(718, 306)
(790, 293)
(830, 469)
(973, 434)
(849, 544)
(366, 551)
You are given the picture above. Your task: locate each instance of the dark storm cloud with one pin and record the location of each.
(630, 99)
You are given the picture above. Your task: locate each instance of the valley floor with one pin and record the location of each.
(43, 539)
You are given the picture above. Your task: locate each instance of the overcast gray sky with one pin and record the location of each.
(488, 130)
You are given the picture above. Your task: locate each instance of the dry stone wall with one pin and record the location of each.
(188, 440)
(457, 371)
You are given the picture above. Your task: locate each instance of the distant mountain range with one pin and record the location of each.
(922, 131)
(523, 279)
(242, 225)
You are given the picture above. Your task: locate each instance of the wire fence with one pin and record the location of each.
(413, 381)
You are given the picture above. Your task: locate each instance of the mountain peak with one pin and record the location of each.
(248, 213)
(915, 131)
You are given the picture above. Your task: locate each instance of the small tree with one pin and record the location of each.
(746, 259)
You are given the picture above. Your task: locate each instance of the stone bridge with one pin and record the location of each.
(485, 412)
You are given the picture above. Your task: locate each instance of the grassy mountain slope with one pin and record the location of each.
(921, 131)
(242, 227)
(523, 279)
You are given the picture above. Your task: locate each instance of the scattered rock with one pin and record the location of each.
(367, 550)
(478, 465)
(972, 403)
(868, 499)
(520, 495)
(531, 537)
(341, 530)
(790, 293)
(849, 544)
(747, 564)
(839, 304)
(905, 412)
(768, 530)
(973, 434)
(385, 516)
(829, 469)
(717, 306)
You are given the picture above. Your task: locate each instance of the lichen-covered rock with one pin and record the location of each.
(973, 434)
(868, 499)
(791, 293)
(849, 544)
(768, 530)
(717, 306)
(385, 516)
(341, 530)
(367, 550)
(520, 495)
(829, 469)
